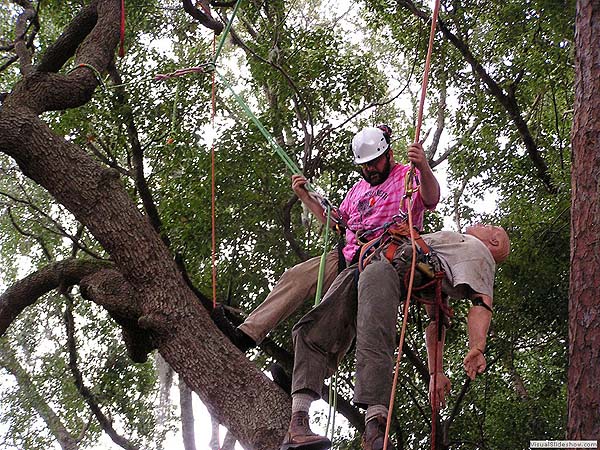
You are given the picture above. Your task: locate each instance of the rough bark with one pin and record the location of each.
(25, 292)
(584, 302)
(240, 396)
(109, 289)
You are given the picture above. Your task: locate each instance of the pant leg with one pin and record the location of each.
(295, 287)
(323, 336)
(378, 299)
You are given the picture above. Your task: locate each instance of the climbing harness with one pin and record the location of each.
(392, 232)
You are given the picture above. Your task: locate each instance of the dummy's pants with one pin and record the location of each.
(296, 286)
(368, 312)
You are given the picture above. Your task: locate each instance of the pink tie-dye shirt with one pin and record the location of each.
(367, 207)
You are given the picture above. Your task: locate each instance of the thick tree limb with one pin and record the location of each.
(181, 328)
(71, 38)
(26, 291)
(109, 289)
(202, 17)
(57, 92)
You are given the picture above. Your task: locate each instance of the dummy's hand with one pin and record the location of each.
(416, 155)
(474, 363)
(299, 186)
(443, 386)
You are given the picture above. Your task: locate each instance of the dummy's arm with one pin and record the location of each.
(438, 382)
(478, 324)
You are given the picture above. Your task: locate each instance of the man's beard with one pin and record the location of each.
(376, 177)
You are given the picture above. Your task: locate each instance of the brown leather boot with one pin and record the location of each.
(374, 434)
(300, 437)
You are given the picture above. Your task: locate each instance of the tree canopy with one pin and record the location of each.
(105, 200)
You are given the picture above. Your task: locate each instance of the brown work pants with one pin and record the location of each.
(368, 311)
(296, 286)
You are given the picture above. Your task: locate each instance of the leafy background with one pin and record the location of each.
(314, 72)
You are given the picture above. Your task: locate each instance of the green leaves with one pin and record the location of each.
(313, 75)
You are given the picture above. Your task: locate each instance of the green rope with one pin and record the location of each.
(323, 260)
(95, 71)
(291, 165)
(226, 32)
(333, 385)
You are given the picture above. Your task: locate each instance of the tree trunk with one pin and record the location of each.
(234, 391)
(584, 301)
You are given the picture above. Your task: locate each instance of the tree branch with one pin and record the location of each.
(84, 391)
(508, 101)
(22, 232)
(109, 289)
(287, 229)
(44, 91)
(187, 416)
(138, 156)
(60, 230)
(22, 50)
(299, 98)
(202, 17)
(66, 44)
(26, 291)
(9, 361)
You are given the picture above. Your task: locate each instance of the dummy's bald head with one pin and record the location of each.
(495, 239)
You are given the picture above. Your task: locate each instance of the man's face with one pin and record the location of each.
(376, 171)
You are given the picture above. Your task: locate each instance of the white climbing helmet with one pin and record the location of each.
(368, 144)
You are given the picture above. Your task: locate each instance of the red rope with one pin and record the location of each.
(122, 42)
(408, 194)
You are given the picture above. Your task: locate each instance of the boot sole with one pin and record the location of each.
(307, 446)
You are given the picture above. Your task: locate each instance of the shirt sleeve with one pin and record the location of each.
(344, 208)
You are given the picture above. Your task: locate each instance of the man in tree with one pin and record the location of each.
(379, 197)
(324, 335)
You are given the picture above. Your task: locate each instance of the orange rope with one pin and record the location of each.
(408, 197)
(434, 18)
(213, 195)
(404, 323)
